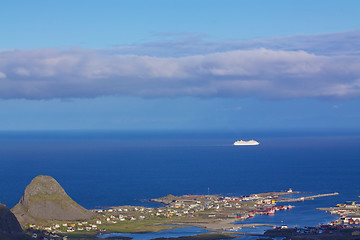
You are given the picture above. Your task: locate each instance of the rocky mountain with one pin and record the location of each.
(9, 226)
(45, 199)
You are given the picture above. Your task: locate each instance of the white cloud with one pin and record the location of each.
(331, 44)
(260, 72)
(2, 75)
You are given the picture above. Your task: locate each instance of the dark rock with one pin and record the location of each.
(9, 226)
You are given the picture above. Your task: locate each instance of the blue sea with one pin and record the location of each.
(104, 168)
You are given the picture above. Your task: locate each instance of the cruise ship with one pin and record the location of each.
(251, 142)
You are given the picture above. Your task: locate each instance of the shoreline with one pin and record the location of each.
(213, 213)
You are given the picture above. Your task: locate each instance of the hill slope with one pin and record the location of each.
(9, 225)
(45, 199)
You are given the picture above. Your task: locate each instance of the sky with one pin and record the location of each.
(179, 65)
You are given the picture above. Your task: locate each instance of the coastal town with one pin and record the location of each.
(214, 213)
(205, 211)
(46, 212)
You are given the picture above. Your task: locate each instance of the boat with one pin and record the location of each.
(271, 212)
(241, 142)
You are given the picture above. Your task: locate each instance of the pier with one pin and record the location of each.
(300, 199)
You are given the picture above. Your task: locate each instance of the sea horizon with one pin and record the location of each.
(39, 144)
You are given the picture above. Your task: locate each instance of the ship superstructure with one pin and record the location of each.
(251, 142)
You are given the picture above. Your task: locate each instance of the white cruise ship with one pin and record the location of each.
(251, 142)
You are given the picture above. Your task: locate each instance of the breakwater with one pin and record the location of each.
(300, 199)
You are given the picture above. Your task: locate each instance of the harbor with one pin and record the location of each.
(349, 213)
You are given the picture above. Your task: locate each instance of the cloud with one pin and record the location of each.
(2, 75)
(330, 44)
(261, 70)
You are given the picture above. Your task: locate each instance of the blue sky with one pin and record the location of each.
(152, 65)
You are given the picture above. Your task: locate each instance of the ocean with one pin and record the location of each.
(103, 168)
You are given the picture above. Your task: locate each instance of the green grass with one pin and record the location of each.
(207, 236)
(80, 236)
(150, 225)
(59, 199)
(202, 236)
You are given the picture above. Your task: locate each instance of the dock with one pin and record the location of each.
(300, 199)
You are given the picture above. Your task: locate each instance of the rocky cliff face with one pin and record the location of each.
(45, 199)
(9, 225)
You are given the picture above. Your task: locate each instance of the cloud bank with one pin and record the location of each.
(294, 67)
